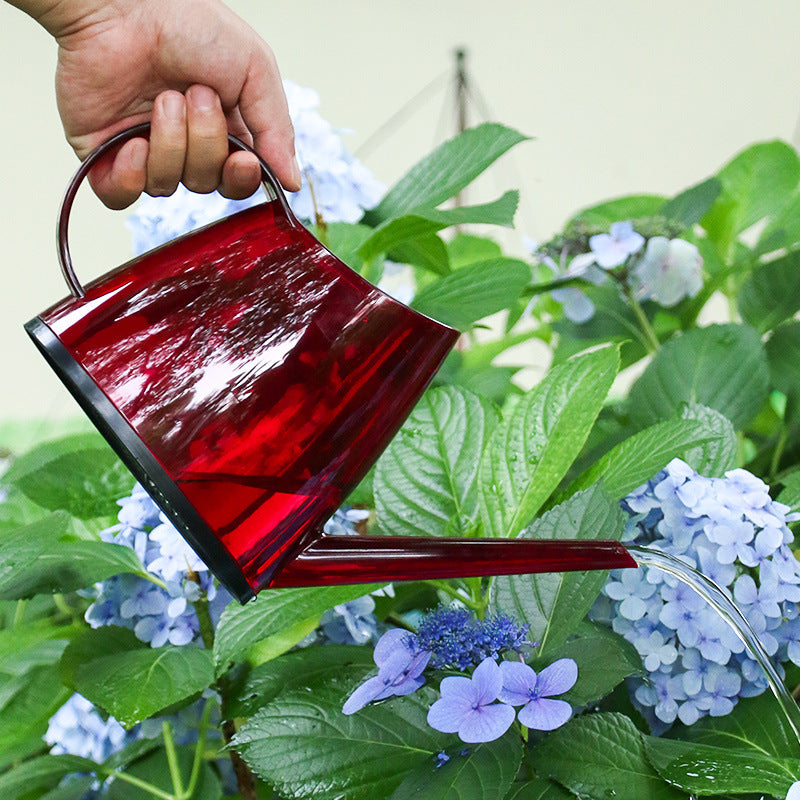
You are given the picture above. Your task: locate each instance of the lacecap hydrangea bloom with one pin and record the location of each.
(479, 707)
(732, 531)
(659, 268)
(336, 186)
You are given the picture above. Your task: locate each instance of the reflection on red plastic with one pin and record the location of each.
(263, 374)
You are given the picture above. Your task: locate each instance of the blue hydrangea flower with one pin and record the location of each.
(612, 249)
(736, 534)
(400, 662)
(351, 623)
(468, 706)
(157, 615)
(523, 686)
(457, 639)
(669, 270)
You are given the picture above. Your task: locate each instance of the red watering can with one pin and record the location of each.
(248, 378)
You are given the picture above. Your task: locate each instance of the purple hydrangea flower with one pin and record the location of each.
(400, 662)
(612, 249)
(468, 706)
(523, 686)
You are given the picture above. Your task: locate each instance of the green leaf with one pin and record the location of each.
(308, 666)
(77, 788)
(720, 366)
(273, 611)
(756, 723)
(771, 293)
(691, 205)
(465, 248)
(790, 494)
(474, 292)
(538, 789)
(532, 449)
(718, 455)
(130, 680)
(601, 755)
(446, 171)
(304, 746)
(426, 221)
(604, 660)
(426, 480)
(24, 648)
(756, 183)
(427, 252)
(485, 773)
(709, 770)
(554, 603)
(40, 774)
(635, 460)
(37, 560)
(620, 208)
(783, 230)
(783, 356)
(79, 474)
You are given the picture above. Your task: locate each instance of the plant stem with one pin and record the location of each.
(205, 622)
(19, 613)
(244, 778)
(143, 785)
(445, 587)
(198, 751)
(777, 452)
(172, 759)
(651, 340)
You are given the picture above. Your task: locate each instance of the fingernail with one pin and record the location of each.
(204, 98)
(174, 107)
(296, 176)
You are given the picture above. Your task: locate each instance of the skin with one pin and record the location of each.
(192, 68)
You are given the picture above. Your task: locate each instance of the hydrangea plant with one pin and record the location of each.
(127, 672)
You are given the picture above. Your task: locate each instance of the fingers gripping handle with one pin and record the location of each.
(270, 183)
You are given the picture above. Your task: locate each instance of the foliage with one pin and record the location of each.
(181, 696)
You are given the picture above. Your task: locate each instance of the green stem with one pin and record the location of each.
(651, 340)
(205, 622)
(198, 752)
(143, 785)
(777, 452)
(172, 760)
(445, 587)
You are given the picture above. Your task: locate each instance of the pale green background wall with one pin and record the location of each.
(621, 96)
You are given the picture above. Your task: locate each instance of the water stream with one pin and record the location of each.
(728, 610)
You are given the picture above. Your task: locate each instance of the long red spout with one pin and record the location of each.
(368, 559)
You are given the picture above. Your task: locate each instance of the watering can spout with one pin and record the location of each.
(340, 559)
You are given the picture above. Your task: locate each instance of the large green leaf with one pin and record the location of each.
(426, 480)
(271, 613)
(307, 666)
(474, 292)
(620, 208)
(553, 604)
(425, 221)
(484, 772)
(716, 456)
(756, 183)
(635, 460)
(304, 746)
(783, 356)
(720, 366)
(691, 205)
(601, 755)
(783, 229)
(40, 774)
(40, 559)
(709, 770)
(532, 449)
(604, 659)
(24, 648)
(756, 723)
(446, 171)
(79, 474)
(538, 789)
(130, 680)
(771, 293)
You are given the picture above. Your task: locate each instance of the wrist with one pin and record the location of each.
(61, 17)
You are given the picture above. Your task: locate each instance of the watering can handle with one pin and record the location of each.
(270, 183)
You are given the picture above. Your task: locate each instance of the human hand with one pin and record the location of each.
(191, 67)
